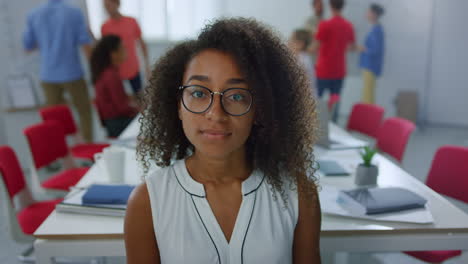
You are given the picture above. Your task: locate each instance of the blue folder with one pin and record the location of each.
(107, 194)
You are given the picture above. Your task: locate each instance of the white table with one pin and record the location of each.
(78, 235)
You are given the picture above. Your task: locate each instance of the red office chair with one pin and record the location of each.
(63, 114)
(394, 135)
(26, 215)
(47, 144)
(366, 119)
(448, 176)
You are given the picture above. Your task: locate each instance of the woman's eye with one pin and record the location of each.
(237, 97)
(198, 94)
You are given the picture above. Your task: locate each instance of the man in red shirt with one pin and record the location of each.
(128, 30)
(334, 37)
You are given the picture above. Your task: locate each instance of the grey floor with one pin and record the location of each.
(418, 157)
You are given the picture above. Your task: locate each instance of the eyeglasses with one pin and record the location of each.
(234, 101)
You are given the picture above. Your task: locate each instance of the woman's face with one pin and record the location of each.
(215, 133)
(371, 16)
(112, 6)
(295, 45)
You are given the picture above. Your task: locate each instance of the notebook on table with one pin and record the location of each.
(370, 201)
(110, 200)
(332, 205)
(107, 194)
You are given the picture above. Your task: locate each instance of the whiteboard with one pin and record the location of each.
(12, 25)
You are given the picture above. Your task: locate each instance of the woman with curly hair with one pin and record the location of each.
(230, 119)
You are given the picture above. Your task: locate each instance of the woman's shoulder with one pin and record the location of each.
(139, 197)
(160, 174)
(163, 179)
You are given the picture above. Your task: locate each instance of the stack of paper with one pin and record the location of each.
(329, 200)
(380, 200)
(73, 203)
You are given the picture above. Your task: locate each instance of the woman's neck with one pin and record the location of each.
(116, 15)
(206, 169)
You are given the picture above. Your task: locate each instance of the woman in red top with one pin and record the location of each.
(114, 106)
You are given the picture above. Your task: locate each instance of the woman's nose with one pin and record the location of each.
(216, 111)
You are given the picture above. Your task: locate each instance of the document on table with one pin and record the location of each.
(73, 204)
(328, 200)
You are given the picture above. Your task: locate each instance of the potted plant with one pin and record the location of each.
(366, 172)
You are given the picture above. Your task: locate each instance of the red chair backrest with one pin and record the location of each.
(11, 171)
(394, 135)
(449, 172)
(47, 142)
(366, 119)
(62, 114)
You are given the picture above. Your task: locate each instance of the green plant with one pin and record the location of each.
(367, 154)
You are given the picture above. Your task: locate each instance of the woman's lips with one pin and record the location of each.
(215, 134)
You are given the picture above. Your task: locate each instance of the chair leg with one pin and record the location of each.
(27, 256)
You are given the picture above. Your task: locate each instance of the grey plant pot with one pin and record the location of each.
(366, 176)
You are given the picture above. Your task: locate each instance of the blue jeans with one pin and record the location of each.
(334, 86)
(135, 83)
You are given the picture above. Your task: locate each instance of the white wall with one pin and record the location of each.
(407, 31)
(284, 16)
(448, 90)
(3, 56)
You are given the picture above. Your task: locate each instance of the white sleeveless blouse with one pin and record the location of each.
(188, 232)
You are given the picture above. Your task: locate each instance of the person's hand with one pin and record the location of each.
(361, 48)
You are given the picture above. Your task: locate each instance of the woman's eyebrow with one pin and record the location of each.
(236, 81)
(202, 78)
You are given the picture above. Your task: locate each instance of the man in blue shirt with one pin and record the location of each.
(372, 54)
(58, 30)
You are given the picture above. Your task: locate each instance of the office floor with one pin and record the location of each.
(418, 157)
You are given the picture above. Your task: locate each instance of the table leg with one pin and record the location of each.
(41, 253)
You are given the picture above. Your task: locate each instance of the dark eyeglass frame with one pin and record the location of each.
(221, 94)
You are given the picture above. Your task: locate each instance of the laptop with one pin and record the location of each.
(329, 141)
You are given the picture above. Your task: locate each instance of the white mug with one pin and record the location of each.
(112, 162)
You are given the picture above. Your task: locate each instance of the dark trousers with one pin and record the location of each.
(135, 83)
(115, 126)
(334, 86)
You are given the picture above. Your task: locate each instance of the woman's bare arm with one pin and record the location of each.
(306, 246)
(140, 240)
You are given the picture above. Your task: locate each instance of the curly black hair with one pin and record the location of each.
(101, 57)
(285, 127)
